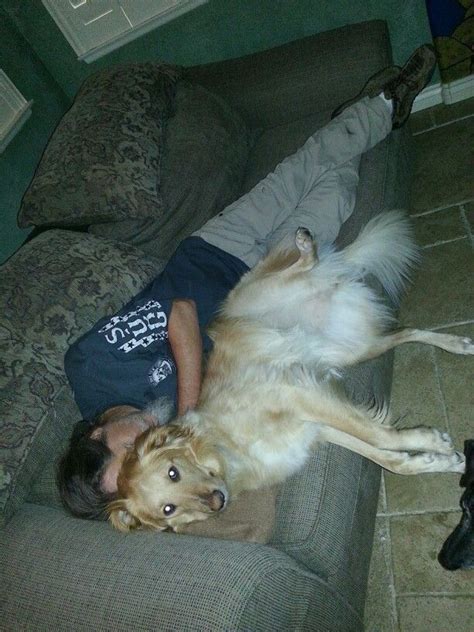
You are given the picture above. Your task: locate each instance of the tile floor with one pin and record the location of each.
(408, 590)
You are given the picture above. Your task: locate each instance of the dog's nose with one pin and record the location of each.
(216, 500)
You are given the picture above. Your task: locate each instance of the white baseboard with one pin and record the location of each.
(458, 90)
(428, 97)
(445, 93)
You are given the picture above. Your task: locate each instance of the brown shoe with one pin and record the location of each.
(413, 77)
(374, 86)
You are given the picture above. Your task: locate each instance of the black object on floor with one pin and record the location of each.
(458, 550)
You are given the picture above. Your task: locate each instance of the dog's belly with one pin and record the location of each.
(282, 456)
(274, 454)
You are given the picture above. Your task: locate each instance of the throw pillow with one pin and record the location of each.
(103, 161)
(206, 146)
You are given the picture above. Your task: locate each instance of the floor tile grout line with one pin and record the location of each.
(437, 209)
(442, 242)
(391, 579)
(423, 131)
(467, 225)
(416, 512)
(439, 384)
(383, 492)
(436, 594)
(458, 323)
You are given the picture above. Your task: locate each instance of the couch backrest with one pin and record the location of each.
(299, 78)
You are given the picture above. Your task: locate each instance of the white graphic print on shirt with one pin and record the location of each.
(160, 370)
(137, 328)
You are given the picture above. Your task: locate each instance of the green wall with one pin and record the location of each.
(217, 30)
(19, 160)
(222, 29)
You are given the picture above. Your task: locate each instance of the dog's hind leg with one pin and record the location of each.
(395, 461)
(387, 438)
(270, 291)
(364, 425)
(448, 342)
(306, 245)
(284, 262)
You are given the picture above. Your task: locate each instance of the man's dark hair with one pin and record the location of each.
(80, 471)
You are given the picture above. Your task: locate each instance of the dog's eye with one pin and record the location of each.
(173, 474)
(169, 509)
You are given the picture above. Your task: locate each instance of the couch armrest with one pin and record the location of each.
(51, 291)
(299, 78)
(154, 581)
(325, 515)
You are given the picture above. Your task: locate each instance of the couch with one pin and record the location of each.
(144, 156)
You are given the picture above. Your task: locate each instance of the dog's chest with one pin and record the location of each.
(271, 452)
(285, 451)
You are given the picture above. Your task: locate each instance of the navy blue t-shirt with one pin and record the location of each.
(126, 358)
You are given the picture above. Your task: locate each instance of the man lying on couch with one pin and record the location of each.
(129, 365)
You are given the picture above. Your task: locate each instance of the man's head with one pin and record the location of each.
(87, 473)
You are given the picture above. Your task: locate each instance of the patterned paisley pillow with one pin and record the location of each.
(103, 161)
(51, 291)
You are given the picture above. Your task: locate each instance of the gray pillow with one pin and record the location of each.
(206, 147)
(103, 160)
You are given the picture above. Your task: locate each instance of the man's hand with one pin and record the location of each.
(186, 344)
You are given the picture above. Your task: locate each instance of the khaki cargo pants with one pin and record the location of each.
(315, 187)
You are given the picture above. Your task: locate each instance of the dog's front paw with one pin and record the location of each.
(435, 462)
(457, 344)
(466, 346)
(433, 440)
(443, 442)
(459, 462)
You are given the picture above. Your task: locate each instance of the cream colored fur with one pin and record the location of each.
(270, 391)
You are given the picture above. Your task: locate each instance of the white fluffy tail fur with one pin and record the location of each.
(386, 248)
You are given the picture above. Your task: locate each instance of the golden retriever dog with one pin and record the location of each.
(270, 392)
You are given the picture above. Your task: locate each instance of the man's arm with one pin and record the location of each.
(186, 344)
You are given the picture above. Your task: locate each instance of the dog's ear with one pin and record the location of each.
(120, 517)
(151, 440)
(161, 437)
(205, 456)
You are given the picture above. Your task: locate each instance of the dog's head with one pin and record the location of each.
(169, 479)
(458, 550)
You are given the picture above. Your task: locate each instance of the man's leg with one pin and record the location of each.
(324, 209)
(302, 181)
(328, 161)
(331, 202)
(401, 85)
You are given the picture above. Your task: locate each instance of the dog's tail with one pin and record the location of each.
(386, 248)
